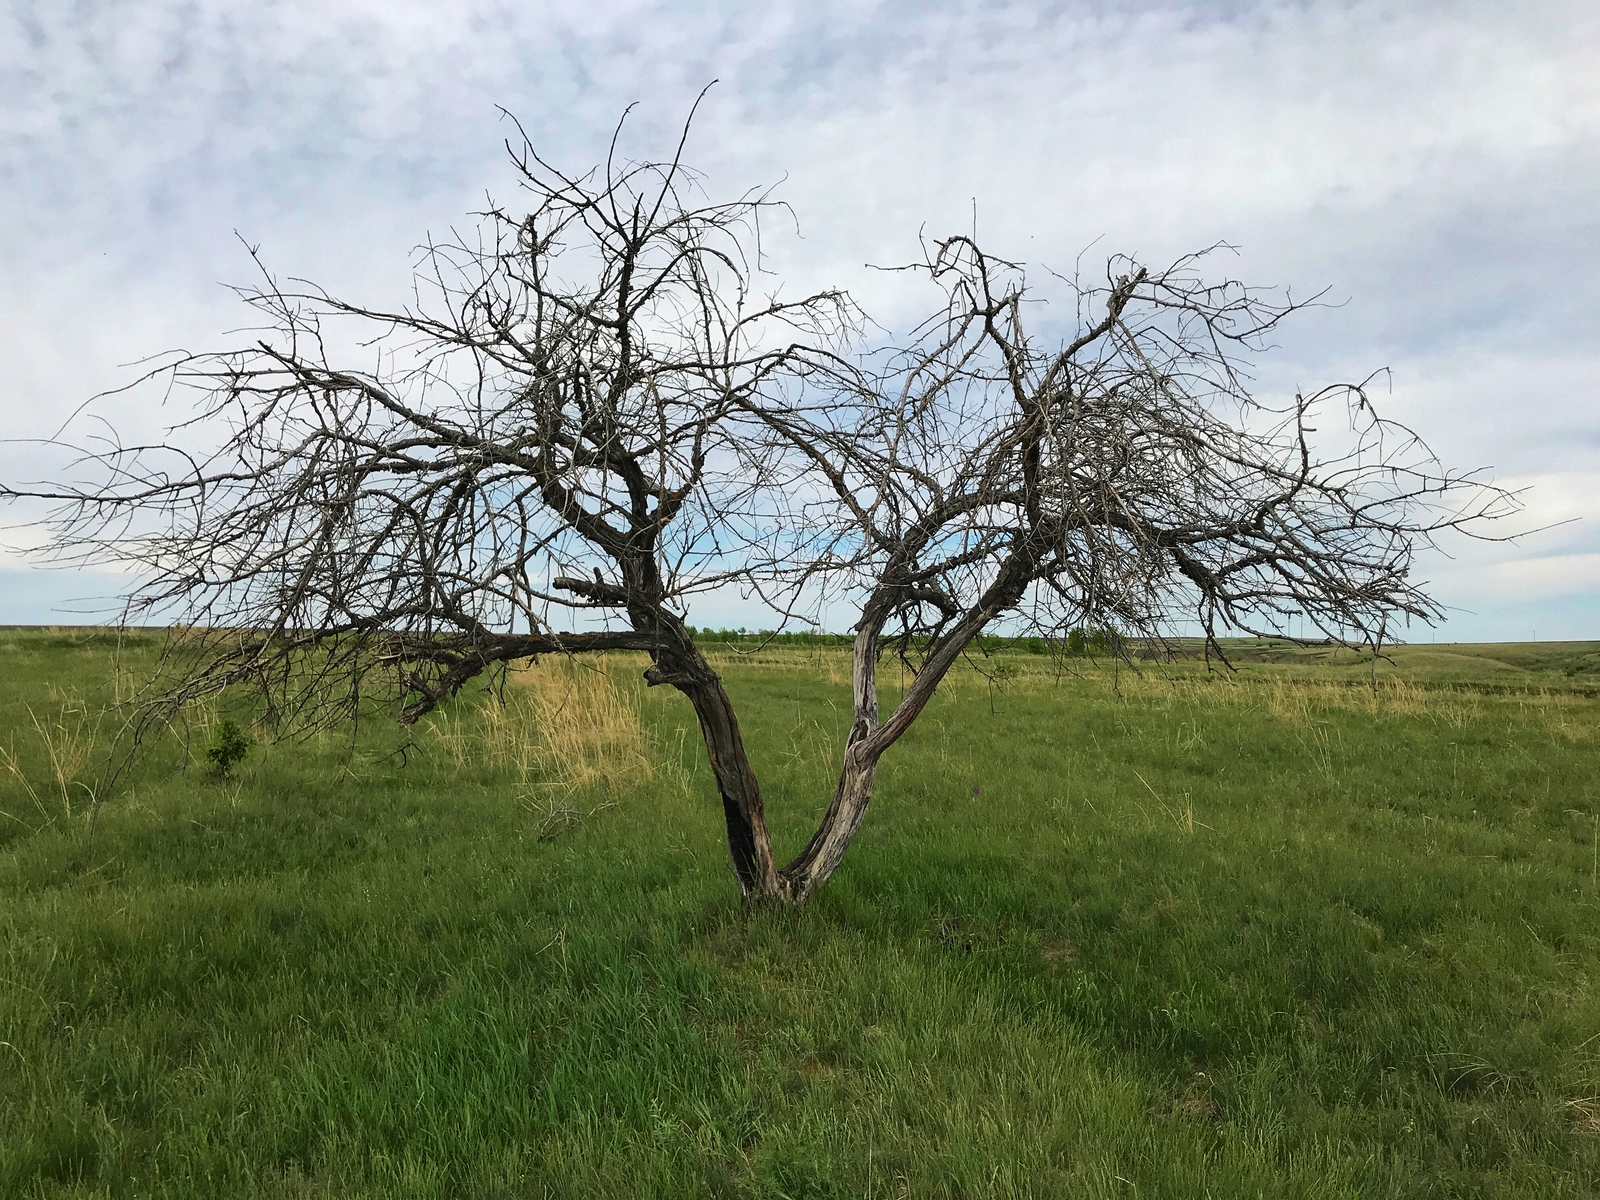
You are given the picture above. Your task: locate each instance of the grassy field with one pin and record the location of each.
(1104, 934)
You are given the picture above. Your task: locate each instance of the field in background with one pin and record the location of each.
(1305, 929)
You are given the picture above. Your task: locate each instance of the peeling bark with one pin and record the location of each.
(817, 862)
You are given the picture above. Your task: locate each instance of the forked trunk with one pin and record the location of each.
(870, 738)
(749, 843)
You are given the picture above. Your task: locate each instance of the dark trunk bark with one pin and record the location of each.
(749, 844)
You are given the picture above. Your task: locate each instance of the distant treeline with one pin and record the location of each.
(1078, 643)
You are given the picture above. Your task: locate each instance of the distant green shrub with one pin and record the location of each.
(228, 747)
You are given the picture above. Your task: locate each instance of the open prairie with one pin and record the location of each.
(1303, 929)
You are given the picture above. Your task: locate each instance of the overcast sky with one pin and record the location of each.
(1435, 166)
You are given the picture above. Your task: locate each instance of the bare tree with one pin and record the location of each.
(589, 414)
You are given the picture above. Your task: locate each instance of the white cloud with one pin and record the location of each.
(1433, 163)
(1531, 579)
(18, 541)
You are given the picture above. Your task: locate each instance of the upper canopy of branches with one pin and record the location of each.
(591, 413)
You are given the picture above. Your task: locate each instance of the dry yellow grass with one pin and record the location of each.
(1294, 699)
(831, 664)
(561, 725)
(1586, 1112)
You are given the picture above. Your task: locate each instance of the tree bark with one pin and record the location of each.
(869, 738)
(749, 843)
(823, 854)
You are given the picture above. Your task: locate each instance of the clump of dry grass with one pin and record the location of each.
(1297, 700)
(70, 741)
(1586, 1112)
(559, 724)
(587, 730)
(555, 816)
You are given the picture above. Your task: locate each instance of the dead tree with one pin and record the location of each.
(588, 415)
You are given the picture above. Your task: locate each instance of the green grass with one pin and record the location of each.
(1102, 934)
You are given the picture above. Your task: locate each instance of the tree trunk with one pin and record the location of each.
(812, 867)
(749, 844)
(822, 856)
(869, 738)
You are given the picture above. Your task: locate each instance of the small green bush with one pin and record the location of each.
(228, 747)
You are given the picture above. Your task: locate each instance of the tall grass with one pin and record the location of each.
(560, 725)
(69, 736)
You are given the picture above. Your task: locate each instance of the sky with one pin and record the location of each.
(1435, 167)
